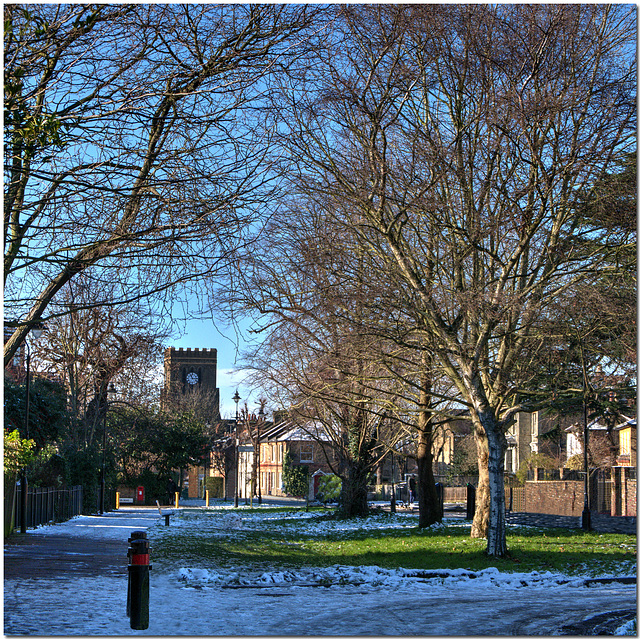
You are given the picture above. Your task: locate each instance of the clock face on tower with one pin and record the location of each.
(192, 378)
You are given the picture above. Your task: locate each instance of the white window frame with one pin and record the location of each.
(307, 457)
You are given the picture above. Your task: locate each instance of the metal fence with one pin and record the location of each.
(554, 474)
(46, 505)
(457, 480)
(601, 483)
(514, 497)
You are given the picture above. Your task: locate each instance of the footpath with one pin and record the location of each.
(71, 579)
(84, 546)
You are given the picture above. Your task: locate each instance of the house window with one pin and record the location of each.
(280, 453)
(306, 452)
(625, 441)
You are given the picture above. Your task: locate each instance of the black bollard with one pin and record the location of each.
(471, 501)
(138, 584)
(440, 492)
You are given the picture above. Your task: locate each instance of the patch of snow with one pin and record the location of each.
(627, 629)
(206, 600)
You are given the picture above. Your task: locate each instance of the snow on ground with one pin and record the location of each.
(336, 600)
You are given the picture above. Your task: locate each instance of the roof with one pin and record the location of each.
(630, 422)
(596, 424)
(291, 431)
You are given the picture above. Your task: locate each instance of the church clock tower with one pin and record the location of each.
(188, 371)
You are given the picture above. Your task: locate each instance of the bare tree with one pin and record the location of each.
(136, 152)
(462, 136)
(329, 359)
(90, 348)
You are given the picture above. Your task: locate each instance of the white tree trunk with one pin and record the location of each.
(496, 534)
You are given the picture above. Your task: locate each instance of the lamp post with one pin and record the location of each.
(586, 512)
(393, 485)
(112, 390)
(37, 332)
(260, 420)
(236, 399)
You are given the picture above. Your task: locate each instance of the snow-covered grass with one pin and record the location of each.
(223, 539)
(217, 572)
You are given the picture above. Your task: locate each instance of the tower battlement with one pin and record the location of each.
(191, 352)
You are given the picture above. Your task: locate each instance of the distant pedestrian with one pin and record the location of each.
(171, 490)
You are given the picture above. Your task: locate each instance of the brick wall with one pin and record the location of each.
(554, 497)
(631, 497)
(567, 498)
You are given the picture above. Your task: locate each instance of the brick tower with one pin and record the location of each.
(192, 371)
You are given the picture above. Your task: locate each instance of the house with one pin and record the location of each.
(575, 435)
(307, 444)
(608, 445)
(522, 440)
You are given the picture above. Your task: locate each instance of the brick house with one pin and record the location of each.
(308, 446)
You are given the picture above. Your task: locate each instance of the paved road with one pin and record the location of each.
(81, 548)
(71, 580)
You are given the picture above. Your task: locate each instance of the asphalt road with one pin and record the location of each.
(69, 581)
(84, 606)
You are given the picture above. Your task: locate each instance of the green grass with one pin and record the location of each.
(283, 544)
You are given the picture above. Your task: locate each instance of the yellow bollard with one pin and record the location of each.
(206, 492)
(177, 500)
(117, 501)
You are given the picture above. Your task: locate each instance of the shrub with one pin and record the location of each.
(215, 487)
(536, 460)
(575, 462)
(294, 478)
(330, 487)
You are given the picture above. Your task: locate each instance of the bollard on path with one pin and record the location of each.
(471, 501)
(138, 584)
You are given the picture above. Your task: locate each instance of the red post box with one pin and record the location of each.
(140, 494)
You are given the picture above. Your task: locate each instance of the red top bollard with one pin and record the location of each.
(138, 586)
(138, 553)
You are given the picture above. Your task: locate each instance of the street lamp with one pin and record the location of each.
(111, 389)
(586, 512)
(393, 485)
(260, 420)
(236, 399)
(37, 331)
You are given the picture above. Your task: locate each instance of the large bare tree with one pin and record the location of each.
(136, 152)
(462, 135)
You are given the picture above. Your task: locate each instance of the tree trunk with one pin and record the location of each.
(429, 507)
(496, 537)
(353, 498)
(480, 524)
(429, 512)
